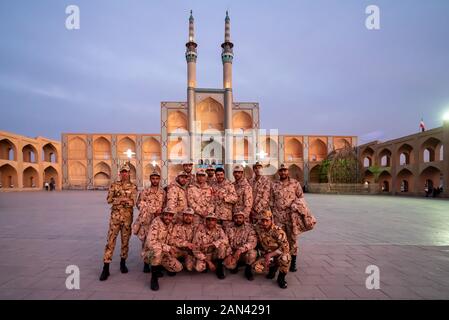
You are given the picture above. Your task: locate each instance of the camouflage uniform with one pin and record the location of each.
(286, 198)
(272, 240)
(121, 217)
(177, 199)
(244, 197)
(180, 237)
(150, 203)
(261, 196)
(219, 250)
(200, 200)
(243, 238)
(224, 197)
(157, 249)
(211, 181)
(191, 179)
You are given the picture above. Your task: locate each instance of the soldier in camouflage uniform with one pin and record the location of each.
(211, 245)
(182, 239)
(243, 241)
(187, 166)
(177, 195)
(224, 198)
(244, 193)
(211, 175)
(199, 197)
(287, 200)
(274, 249)
(157, 250)
(150, 204)
(261, 187)
(122, 196)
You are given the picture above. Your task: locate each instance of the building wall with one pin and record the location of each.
(27, 163)
(406, 164)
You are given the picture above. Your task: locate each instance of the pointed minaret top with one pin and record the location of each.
(227, 16)
(227, 27)
(191, 15)
(191, 28)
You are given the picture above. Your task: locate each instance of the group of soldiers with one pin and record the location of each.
(204, 222)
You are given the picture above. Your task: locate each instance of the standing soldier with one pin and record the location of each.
(274, 249)
(286, 200)
(261, 186)
(177, 195)
(159, 253)
(182, 239)
(244, 193)
(242, 240)
(211, 245)
(187, 166)
(210, 174)
(122, 196)
(224, 198)
(150, 204)
(199, 197)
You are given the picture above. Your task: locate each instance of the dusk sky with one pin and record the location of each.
(313, 66)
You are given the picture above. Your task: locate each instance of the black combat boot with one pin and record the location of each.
(170, 274)
(272, 272)
(154, 285)
(281, 280)
(220, 269)
(123, 267)
(146, 268)
(293, 264)
(249, 273)
(105, 273)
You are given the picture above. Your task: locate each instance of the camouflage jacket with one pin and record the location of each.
(122, 195)
(272, 240)
(199, 198)
(244, 197)
(224, 197)
(191, 179)
(286, 199)
(203, 236)
(243, 238)
(150, 202)
(158, 235)
(211, 181)
(261, 194)
(177, 197)
(182, 235)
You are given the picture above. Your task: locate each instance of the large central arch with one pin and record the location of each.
(210, 114)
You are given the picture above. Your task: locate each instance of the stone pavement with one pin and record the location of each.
(41, 233)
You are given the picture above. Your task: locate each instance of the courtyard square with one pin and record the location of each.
(41, 233)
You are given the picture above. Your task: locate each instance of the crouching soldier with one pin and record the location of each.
(181, 239)
(211, 246)
(274, 249)
(243, 241)
(160, 254)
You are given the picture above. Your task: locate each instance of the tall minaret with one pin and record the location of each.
(226, 57)
(191, 56)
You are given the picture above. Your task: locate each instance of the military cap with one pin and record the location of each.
(282, 166)
(182, 173)
(257, 164)
(188, 211)
(125, 167)
(238, 213)
(211, 215)
(155, 173)
(189, 161)
(238, 168)
(201, 172)
(266, 215)
(169, 210)
(210, 167)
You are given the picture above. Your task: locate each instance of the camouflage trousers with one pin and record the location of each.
(282, 261)
(292, 236)
(248, 257)
(157, 257)
(121, 220)
(187, 255)
(211, 254)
